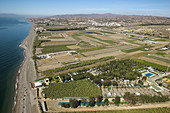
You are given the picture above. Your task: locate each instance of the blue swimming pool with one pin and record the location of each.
(149, 74)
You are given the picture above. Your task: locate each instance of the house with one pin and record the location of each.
(46, 81)
(38, 84)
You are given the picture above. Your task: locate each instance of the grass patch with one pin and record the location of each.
(44, 35)
(156, 66)
(80, 64)
(133, 42)
(161, 40)
(56, 37)
(84, 44)
(107, 41)
(107, 32)
(158, 58)
(56, 48)
(91, 49)
(81, 88)
(76, 38)
(137, 49)
(160, 53)
(152, 110)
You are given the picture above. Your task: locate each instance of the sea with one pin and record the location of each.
(13, 30)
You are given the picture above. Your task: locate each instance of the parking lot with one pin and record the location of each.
(121, 91)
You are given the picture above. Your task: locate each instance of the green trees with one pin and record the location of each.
(65, 105)
(152, 99)
(140, 82)
(107, 83)
(133, 99)
(122, 69)
(127, 96)
(117, 101)
(92, 101)
(106, 101)
(97, 81)
(130, 98)
(144, 78)
(74, 103)
(115, 83)
(81, 88)
(99, 100)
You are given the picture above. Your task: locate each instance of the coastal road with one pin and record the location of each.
(26, 97)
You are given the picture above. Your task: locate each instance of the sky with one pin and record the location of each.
(57, 7)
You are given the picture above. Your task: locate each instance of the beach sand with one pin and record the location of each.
(27, 103)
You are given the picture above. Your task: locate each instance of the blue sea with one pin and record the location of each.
(12, 32)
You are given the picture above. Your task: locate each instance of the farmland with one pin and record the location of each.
(137, 49)
(80, 64)
(82, 88)
(156, 66)
(51, 49)
(80, 59)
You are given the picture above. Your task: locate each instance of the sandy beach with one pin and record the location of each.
(26, 96)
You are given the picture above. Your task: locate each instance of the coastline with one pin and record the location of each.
(26, 75)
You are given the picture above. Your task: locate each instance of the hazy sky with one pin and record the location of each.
(54, 7)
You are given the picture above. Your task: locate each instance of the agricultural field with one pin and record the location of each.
(163, 54)
(82, 88)
(137, 49)
(156, 66)
(51, 49)
(72, 66)
(91, 57)
(107, 50)
(159, 58)
(55, 61)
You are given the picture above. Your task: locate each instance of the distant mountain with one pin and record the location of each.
(85, 15)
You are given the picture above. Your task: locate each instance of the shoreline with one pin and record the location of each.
(17, 80)
(25, 76)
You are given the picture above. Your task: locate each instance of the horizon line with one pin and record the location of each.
(83, 14)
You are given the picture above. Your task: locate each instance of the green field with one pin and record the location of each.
(158, 58)
(57, 48)
(133, 42)
(156, 66)
(84, 44)
(152, 110)
(55, 37)
(76, 38)
(160, 53)
(91, 49)
(80, 64)
(81, 88)
(107, 32)
(137, 49)
(163, 54)
(107, 41)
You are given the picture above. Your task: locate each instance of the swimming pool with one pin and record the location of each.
(149, 74)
